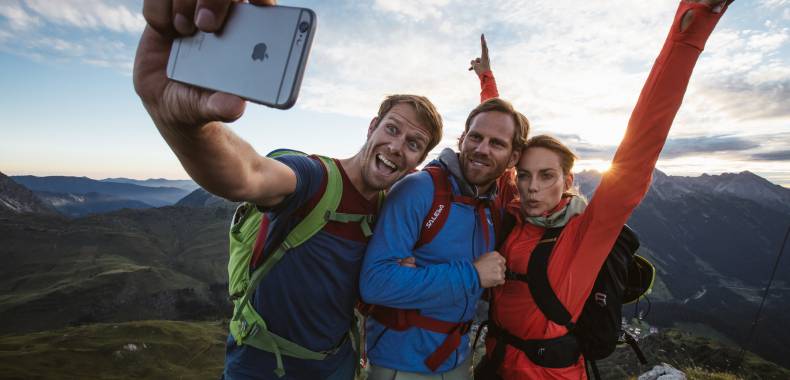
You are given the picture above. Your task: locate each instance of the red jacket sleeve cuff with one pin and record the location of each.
(486, 74)
(488, 88)
(702, 24)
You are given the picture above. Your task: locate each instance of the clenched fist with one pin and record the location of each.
(490, 269)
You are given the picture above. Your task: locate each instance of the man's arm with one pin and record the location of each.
(482, 67)
(190, 119)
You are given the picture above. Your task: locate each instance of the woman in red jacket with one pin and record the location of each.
(544, 181)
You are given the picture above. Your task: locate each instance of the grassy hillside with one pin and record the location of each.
(167, 263)
(130, 350)
(195, 350)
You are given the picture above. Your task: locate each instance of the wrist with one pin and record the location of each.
(477, 279)
(486, 74)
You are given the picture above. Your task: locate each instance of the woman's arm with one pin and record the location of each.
(625, 184)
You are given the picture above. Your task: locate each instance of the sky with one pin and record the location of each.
(574, 68)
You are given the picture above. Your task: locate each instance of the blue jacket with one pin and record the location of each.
(444, 285)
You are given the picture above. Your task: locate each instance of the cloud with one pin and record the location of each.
(678, 147)
(89, 14)
(97, 51)
(416, 10)
(594, 152)
(744, 101)
(782, 155)
(544, 57)
(18, 18)
(747, 73)
(351, 75)
(674, 147)
(775, 3)
(98, 33)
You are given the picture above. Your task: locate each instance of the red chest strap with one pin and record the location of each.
(443, 197)
(400, 320)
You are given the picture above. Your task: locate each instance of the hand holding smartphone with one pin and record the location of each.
(260, 54)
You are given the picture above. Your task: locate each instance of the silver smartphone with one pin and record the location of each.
(260, 54)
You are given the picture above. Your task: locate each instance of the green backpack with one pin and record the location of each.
(246, 325)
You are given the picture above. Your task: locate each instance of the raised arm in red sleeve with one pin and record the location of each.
(488, 88)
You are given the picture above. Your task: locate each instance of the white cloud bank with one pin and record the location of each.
(89, 14)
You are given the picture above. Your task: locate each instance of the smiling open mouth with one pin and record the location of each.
(475, 162)
(386, 163)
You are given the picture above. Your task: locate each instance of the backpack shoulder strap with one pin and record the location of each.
(440, 208)
(313, 222)
(443, 197)
(366, 221)
(311, 203)
(316, 218)
(539, 286)
(508, 221)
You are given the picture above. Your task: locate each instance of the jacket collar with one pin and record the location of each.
(449, 159)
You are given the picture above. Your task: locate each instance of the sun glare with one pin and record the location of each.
(600, 166)
(603, 166)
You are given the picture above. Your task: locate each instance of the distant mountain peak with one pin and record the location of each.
(18, 199)
(749, 175)
(743, 185)
(202, 198)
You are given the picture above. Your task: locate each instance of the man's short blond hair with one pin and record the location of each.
(426, 112)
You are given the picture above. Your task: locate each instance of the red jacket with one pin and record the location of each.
(587, 238)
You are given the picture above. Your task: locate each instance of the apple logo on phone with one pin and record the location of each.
(259, 52)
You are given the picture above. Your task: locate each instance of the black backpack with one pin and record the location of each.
(624, 278)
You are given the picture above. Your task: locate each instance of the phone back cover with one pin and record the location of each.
(258, 55)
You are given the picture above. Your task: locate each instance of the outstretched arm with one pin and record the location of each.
(191, 119)
(482, 67)
(628, 179)
(625, 184)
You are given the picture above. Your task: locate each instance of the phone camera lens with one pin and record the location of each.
(304, 26)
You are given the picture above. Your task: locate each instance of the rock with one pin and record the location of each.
(663, 371)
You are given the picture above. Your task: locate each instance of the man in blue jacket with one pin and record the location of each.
(424, 309)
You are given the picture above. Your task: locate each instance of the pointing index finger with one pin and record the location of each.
(483, 47)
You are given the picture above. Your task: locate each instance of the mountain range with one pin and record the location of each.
(185, 184)
(80, 196)
(713, 239)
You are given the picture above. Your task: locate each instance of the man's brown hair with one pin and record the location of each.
(500, 105)
(425, 110)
